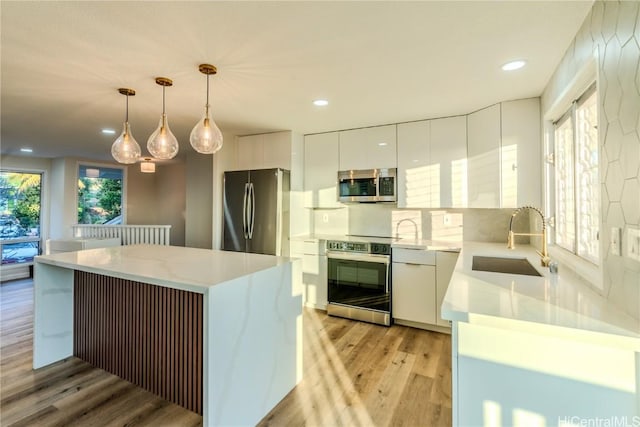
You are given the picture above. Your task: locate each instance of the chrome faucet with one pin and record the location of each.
(415, 237)
(511, 244)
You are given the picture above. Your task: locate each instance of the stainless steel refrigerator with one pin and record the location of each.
(256, 211)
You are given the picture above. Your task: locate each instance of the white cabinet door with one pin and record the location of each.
(314, 271)
(368, 148)
(276, 150)
(448, 159)
(321, 165)
(445, 263)
(414, 167)
(413, 292)
(250, 152)
(483, 157)
(521, 153)
(265, 151)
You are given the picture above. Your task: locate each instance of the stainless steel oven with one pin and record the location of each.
(359, 281)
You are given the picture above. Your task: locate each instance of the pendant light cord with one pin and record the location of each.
(163, 112)
(207, 90)
(126, 114)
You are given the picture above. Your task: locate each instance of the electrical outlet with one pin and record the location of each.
(614, 241)
(633, 244)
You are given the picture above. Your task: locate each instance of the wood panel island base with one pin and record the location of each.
(219, 333)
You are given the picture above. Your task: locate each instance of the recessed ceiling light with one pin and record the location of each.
(320, 102)
(109, 131)
(382, 144)
(26, 150)
(514, 65)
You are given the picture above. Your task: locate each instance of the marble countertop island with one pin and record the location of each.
(204, 313)
(172, 266)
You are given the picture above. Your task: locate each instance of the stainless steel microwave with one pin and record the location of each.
(368, 185)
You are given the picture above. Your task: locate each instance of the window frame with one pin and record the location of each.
(583, 269)
(102, 165)
(44, 212)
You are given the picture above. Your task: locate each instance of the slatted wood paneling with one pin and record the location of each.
(149, 335)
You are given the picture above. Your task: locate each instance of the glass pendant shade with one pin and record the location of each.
(206, 137)
(125, 149)
(162, 143)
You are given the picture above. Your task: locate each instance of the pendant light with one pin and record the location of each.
(147, 166)
(206, 137)
(125, 149)
(162, 144)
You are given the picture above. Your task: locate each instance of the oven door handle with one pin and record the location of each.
(349, 256)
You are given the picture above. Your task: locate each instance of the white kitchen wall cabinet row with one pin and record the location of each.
(487, 159)
(368, 148)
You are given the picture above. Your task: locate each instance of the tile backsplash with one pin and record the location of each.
(486, 225)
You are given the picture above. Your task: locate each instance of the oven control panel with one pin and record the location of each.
(338, 245)
(359, 247)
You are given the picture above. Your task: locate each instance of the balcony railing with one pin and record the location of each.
(128, 234)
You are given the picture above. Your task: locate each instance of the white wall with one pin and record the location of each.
(611, 34)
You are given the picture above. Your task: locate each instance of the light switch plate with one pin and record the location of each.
(633, 244)
(614, 242)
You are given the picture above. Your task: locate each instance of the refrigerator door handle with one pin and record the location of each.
(253, 209)
(245, 229)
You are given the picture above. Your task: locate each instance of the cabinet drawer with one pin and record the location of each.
(414, 256)
(307, 247)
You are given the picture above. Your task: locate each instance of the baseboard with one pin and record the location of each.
(425, 326)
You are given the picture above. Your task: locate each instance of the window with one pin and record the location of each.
(577, 186)
(20, 202)
(100, 195)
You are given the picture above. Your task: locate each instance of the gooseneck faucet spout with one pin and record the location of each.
(511, 244)
(415, 227)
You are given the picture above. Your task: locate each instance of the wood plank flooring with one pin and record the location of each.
(355, 374)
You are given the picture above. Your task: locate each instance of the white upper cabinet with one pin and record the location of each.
(414, 180)
(265, 151)
(432, 170)
(521, 153)
(483, 158)
(368, 148)
(321, 164)
(448, 155)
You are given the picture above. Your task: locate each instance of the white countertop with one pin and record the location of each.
(404, 243)
(173, 266)
(554, 299)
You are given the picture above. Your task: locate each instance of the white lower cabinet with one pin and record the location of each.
(314, 271)
(414, 292)
(420, 279)
(413, 285)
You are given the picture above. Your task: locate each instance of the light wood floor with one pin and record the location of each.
(355, 374)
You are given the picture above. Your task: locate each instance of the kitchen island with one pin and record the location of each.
(538, 350)
(217, 332)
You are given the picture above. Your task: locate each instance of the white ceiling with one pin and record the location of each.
(376, 62)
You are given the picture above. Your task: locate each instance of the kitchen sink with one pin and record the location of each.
(504, 265)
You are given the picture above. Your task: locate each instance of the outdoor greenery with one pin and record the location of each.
(19, 204)
(99, 200)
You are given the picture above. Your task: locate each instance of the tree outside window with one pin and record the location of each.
(100, 192)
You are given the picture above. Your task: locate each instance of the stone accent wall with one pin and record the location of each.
(612, 31)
